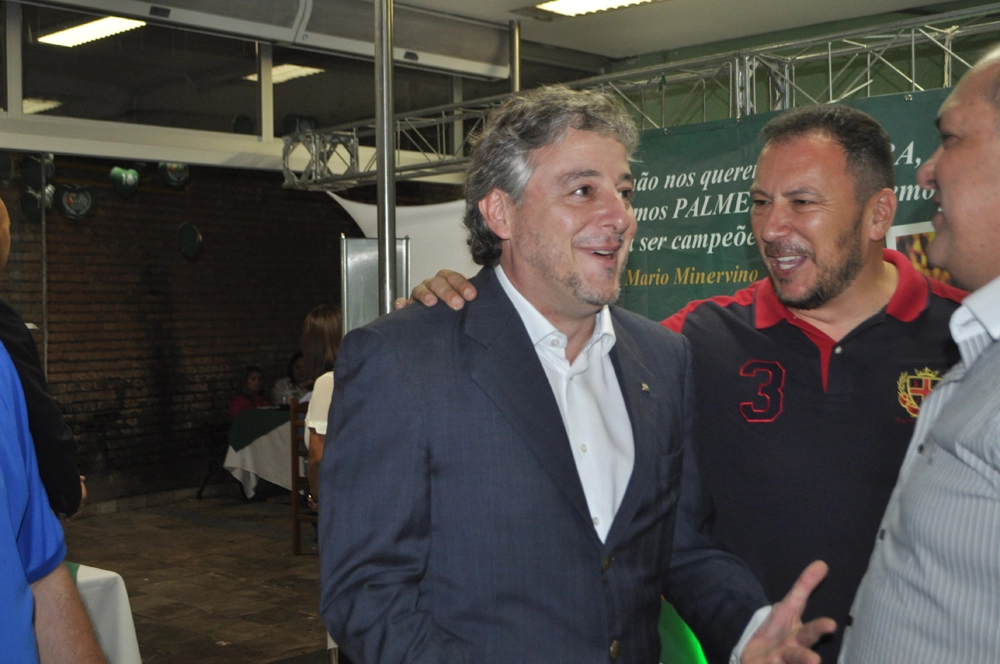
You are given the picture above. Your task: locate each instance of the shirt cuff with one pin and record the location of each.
(758, 618)
(317, 426)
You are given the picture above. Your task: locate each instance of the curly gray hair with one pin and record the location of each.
(501, 154)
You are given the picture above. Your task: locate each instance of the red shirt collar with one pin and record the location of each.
(906, 303)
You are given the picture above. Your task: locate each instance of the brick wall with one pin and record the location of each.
(146, 347)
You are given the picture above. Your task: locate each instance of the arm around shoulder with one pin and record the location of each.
(451, 287)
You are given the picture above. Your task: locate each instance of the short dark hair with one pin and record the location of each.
(501, 156)
(866, 144)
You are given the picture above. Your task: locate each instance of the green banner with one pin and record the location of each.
(692, 201)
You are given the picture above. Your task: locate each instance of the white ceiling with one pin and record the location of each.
(665, 25)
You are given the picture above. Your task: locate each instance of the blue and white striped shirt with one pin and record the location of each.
(932, 590)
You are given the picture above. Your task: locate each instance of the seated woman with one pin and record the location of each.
(251, 393)
(320, 342)
(294, 385)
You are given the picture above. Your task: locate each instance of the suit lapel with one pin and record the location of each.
(632, 376)
(511, 375)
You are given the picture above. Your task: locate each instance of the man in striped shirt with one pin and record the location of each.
(932, 590)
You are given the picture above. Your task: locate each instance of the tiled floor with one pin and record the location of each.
(211, 580)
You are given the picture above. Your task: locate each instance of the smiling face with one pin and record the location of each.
(965, 171)
(807, 220)
(565, 243)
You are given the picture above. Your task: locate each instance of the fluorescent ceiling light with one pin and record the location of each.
(282, 73)
(578, 7)
(88, 32)
(31, 106)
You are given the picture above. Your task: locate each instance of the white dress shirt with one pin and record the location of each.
(597, 423)
(591, 404)
(932, 590)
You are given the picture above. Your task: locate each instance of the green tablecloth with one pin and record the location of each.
(250, 425)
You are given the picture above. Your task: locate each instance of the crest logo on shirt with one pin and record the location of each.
(914, 388)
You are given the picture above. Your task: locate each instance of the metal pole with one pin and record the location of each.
(265, 62)
(786, 89)
(829, 66)
(704, 100)
(15, 89)
(642, 106)
(795, 91)
(457, 129)
(947, 62)
(515, 56)
(385, 162)
(663, 106)
(734, 84)
(869, 68)
(355, 164)
(15, 110)
(45, 269)
(772, 92)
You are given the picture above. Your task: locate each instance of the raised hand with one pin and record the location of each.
(783, 638)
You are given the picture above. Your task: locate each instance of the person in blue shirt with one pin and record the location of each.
(41, 616)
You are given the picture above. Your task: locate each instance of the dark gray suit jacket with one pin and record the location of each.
(453, 524)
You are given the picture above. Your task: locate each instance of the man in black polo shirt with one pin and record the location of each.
(808, 382)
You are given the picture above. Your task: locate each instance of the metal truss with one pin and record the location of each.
(431, 141)
(825, 69)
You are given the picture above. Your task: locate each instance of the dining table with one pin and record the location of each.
(106, 601)
(260, 441)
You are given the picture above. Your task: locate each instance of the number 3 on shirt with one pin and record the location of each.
(770, 398)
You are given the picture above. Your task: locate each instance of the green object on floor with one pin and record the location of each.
(250, 425)
(73, 569)
(678, 644)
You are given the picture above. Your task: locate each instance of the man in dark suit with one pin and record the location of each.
(514, 482)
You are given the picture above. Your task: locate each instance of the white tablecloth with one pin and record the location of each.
(268, 457)
(104, 596)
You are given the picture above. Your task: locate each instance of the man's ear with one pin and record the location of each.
(497, 209)
(882, 210)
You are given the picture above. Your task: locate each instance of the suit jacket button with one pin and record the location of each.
(606, 563)
(615, 649)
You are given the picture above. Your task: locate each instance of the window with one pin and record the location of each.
(150, 75)
(343, 90)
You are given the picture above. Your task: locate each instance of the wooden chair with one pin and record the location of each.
(300, 482)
